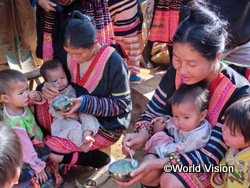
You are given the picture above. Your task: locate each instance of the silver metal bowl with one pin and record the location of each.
(62, 103)
(120, 169)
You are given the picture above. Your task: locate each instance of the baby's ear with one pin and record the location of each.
(5, 98)
(204, 114)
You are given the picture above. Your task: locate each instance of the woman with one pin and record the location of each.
(102, 71)
(197, 46)
(127, 31)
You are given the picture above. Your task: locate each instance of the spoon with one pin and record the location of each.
(133, 162)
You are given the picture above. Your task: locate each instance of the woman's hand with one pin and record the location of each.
(49, 92)
(137, 174)
(47, 5)
(147, 165)
(74, 115)
(42, 177)
(134, 141)
(77, 103)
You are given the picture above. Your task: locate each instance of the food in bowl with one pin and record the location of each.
(62, 104)
(120, 169)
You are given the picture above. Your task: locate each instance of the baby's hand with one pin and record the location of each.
(88, 143)
(218, 178)
(151, 149)
(74, 115)
(42, 177)
(34, 95)
(159, 123)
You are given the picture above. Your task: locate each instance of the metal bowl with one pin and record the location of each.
(62, 103)
(120, 169)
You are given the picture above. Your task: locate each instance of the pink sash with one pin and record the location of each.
(95, 71)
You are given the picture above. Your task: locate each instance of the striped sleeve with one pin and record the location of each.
(155, 108)
(212, 153)
(114, 105)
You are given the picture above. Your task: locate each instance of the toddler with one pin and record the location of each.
(235, 132)
(16, 96)
(79, 128)
(10, 156)
(188, 129)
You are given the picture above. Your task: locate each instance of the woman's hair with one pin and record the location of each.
(49, 65)
(78, 31)
(7, 76)
(202, 29)
(191, 93)
(237, 118)
(10, 154)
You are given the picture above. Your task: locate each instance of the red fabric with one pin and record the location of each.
(43, 116)
(247, 75)
(102, 140)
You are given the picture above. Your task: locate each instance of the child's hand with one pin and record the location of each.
(218, 178)
(49, 91)
(73, 116)
(42, 177)
(151, 149)
(47, 5)
(33, 95)
(88, 143)
(159, 124)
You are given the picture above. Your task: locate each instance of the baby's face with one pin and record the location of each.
(233, 139)
(19, 94)
(186, 116)
(57, 77)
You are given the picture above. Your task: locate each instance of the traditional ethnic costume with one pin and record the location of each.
(240, 174)
(163, 26)
(49, 24)
(175, 140)
(127, 27)
(108, 100)
(227, 87)
(165, 21)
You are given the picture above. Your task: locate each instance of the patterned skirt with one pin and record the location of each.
(165, 21)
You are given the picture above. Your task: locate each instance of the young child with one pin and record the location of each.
(16, 96)
(79, 128)
(235, 132)
(10, 156)
(188, 129)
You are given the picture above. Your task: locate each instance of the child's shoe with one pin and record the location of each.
(135, 78)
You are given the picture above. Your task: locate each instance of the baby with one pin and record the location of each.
(79, 128)
(188, 129)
